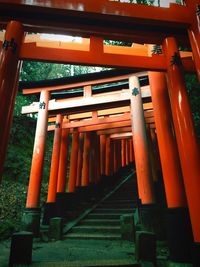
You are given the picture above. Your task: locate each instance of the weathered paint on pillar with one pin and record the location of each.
(86, 159)
(9, 74)
(103, 153)
(51, 197)
(73, 162)
(33, 196)
(108, 157)
(172, 176)
(63, 161)
(123, 152)
(188, 146)
(143, 168)
(80, 160)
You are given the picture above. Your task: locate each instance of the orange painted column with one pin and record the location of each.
(111, 157)
(152, 155)
(173, 181)
(63, 161)
(154, 140)
(33, 195)
(108, 156)
(9, 73)
(118, 154)
(115, 165)
(188, 146)
(103, 153)
(131, 150)
(143, 168)
(51, 197)
(123, 152)
(127, 152)
(194, 32)
(92, 160)
(97, 159)
(73, 162)
(80, 160)
(86, 159)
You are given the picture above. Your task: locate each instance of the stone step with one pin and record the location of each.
(113, 210)
(96, 229)
(100, 222)
(97, 236)
(104, 216)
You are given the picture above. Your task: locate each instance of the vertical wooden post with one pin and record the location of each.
(108, 157)
(131, 150)
(31, 216)
(9, 73)
(123, 152)
(33, 196)
(73, 162)
(63, 161)
(174, 188)
(143, 168)
(188, 146)
(80, 160)
(51, 197)
(127, 152)
(86, 159)
(103, 153)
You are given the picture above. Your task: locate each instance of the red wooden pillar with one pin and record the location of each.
(86, 159)
(92, 159)
(108, 156)
(9, 73)
(51, 197)
(111, 157)
(33, 196)
(31, 217)
(97, 158)
(127, 152)
(115, 164)
(174, 188)
(172, 175)
(188, 146)
(103, 153)
(63, 161)
(119, 156)
(80, 160)
(73, 162)
(123, 152)
(143, 168)
(131, 150)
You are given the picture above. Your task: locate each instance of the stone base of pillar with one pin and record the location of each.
(196, 254)
(21, 249)
(179, 234)
(31, 220)
(49, 212)
(61, 204)
(152, 219)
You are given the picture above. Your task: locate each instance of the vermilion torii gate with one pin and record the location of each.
(177, 25)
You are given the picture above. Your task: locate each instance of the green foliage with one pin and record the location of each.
(193, 89)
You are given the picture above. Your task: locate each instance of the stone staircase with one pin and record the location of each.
(103, 222)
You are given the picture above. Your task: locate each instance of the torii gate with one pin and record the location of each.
(128, 22)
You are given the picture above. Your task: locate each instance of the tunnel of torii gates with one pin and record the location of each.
(120, 119)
